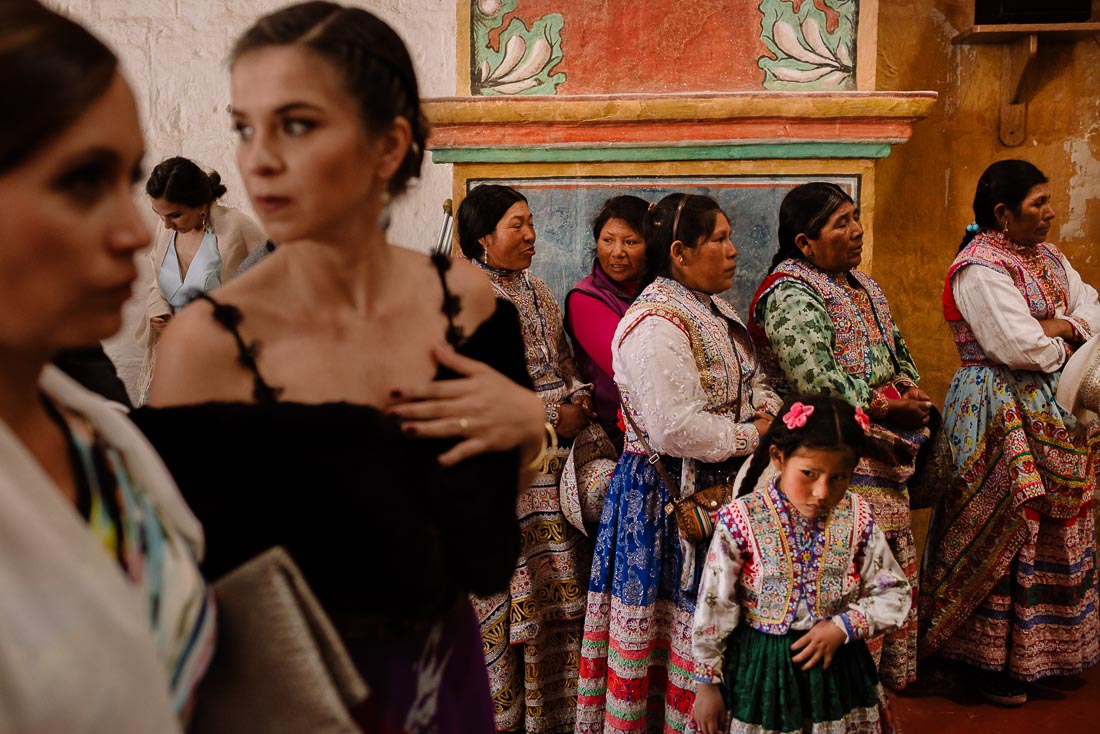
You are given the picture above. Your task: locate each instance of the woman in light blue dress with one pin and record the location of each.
(201, 246)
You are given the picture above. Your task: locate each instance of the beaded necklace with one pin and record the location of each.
(807, 542)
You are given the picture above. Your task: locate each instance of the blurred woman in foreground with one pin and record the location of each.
(105, 620)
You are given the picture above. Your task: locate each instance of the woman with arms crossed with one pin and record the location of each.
(687, 371)
(1009, 579)
(532, 633)
(829, 328)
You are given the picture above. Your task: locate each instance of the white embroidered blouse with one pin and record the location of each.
(1001, 321)
(656, 367)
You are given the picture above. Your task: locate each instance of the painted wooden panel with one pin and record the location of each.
(660, 46)
(564, 206)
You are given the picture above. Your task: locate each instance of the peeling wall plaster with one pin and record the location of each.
(1084, 185)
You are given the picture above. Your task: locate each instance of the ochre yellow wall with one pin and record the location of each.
(925, 188)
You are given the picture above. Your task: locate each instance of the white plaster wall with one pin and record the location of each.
(174, 54)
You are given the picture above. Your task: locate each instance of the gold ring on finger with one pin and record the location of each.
(464, 425)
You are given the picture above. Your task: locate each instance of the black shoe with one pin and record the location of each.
(998, 688)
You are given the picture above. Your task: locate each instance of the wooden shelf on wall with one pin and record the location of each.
(1011, 31)
(1020, 45)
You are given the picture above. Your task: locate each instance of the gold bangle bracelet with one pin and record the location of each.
(549, 443)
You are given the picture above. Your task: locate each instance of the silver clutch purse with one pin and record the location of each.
(279, 665)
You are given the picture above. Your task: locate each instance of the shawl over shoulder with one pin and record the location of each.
(76, 650)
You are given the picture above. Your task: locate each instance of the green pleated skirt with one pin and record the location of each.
(765, 692)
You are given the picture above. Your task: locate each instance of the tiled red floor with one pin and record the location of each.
(1064, 706)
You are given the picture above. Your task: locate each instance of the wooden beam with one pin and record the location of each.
(1009, 31)
(1018, 56)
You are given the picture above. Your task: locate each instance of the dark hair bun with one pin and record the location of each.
(217, 188)
(181, 181)
(480, 212)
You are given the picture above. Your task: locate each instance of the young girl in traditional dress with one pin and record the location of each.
(797, 577)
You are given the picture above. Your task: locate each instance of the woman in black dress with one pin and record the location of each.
(369, 403)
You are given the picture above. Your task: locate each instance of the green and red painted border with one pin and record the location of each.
(729, 126)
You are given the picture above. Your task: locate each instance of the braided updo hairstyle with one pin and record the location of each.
(370, 56)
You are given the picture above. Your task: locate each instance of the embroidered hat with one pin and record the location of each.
(1079, 386)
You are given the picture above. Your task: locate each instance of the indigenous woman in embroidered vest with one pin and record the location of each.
(1009, 586)
(826, 327)
(797, 577)
(532, 633)
(200, 246)
(687, 373)
(596, 303)
(375, 399)
(105, 620)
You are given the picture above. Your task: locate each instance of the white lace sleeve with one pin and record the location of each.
(764, 396)
(656, 362)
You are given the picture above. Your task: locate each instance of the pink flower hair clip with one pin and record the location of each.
(863, 419)
(797, 416)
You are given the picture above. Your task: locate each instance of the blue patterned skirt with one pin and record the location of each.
(636, 664)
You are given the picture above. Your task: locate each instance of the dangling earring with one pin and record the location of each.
(1004, 227)
(384, 216)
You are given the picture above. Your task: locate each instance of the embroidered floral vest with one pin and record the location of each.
(541, 324)
(859, 323)
(713, 339)
(777, 574)
(1037, 272)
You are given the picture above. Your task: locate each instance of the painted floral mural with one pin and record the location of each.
(522, 47)
(523, 59)
(813, 42)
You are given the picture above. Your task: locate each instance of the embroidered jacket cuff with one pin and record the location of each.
(746, 438)
(1082, 328)
(904, 382)
(584, 391)
(707, 673)
(854, 625)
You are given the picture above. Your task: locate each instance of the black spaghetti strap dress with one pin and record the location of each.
(390, 541)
